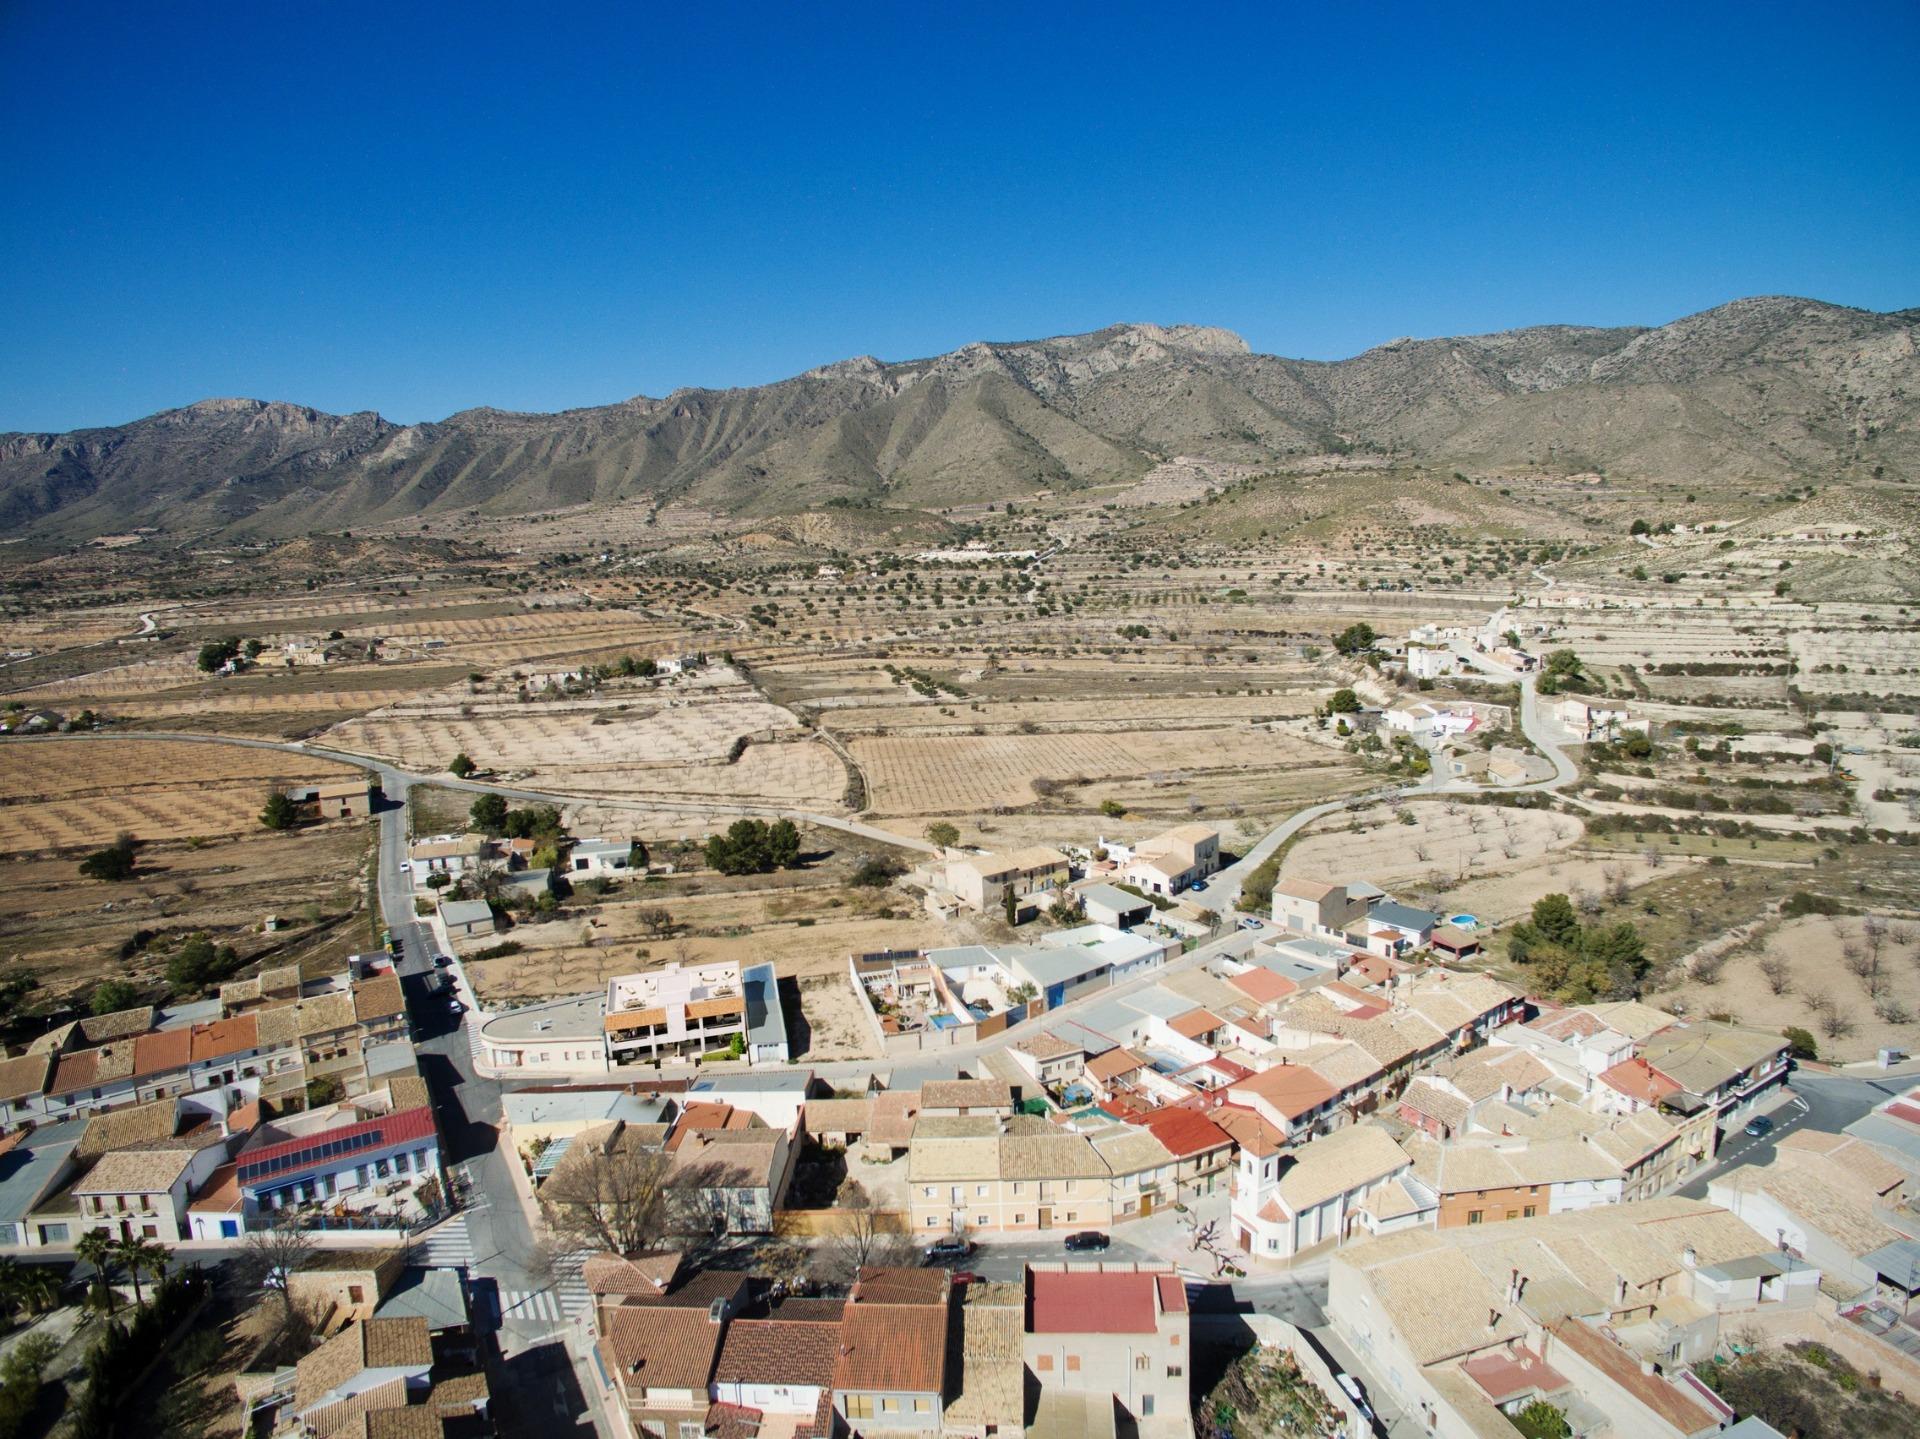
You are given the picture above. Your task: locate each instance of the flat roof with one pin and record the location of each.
(777, 1081)
(1113, 897)
(430, 1294)
(581, 1017)
(466, 911)
(28, 1169)
(766, 1019)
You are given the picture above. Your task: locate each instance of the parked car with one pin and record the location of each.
(1087, 1240)
(1198, 885)
(441, 961)
(454, 1006)
(406, 866)
(967, 1276)
(1352, 1386)
(1759, 1126)
(946, 1251)
(1249, 923)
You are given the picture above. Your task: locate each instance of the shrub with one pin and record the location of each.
(115, 862)
(1800, 1044)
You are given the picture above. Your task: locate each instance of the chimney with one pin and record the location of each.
(1647, 1368)
(1513, 1285)
(1689, 1256)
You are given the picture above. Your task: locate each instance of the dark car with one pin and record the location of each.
(946, 1251)
(1759, 1126)
(441, 961)
(1087, 1240)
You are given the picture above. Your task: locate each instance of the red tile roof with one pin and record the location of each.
(1084, 1302)
(1639, 1080)
(226, 1036)
(1184, 1132)
(1263, 986)
(893, 1335)
(1292, 1089)
(1194, 1023)
(162, 1050)
(1173, 1294)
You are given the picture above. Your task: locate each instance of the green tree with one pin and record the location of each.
(1541, 1420)
(540, 821)
(1800, 1044)
(1112, 808)
(1638, 527)
(945, 833)
(783, 844)
(216, 653)
(139, 1255)
(196, 964)
(115, 862)
(113, 995)
(489, 813)
(98, 1249)
(280, 813)
(460, 766)
(1355, 639)
(1010, 904)
(1343, 702)
(1555, 920)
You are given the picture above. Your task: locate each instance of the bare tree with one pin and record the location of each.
(1778, 970)
(271, 1255)
(1707, 969)
(609, 1192)
(865, 1235)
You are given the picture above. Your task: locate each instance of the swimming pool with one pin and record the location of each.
(1464, 921)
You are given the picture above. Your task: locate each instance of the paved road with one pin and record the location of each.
(1826, 1102)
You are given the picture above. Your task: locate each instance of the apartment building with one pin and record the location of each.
(983, 882)
(675, 1011)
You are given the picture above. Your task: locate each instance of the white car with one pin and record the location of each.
(1352, 1386)
(406, 865)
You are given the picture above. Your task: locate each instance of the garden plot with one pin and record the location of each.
(679, 734)
(1451, 840)
(1854, 984)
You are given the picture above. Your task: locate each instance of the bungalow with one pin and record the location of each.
(1174, 861)
(1108, 905)
(600, 859)
(453, 855)
(466, 918)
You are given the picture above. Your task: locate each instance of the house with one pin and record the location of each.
(1588, 722)
(539, 1118)
(1840, 1208)
(1119, 1331)
(345, 1284)
(976, 1174)
(36, 1165)
(1201, 1150)
(655, 1353)
(23, 1082)
(600, 859)
(1470, 764)
(983, 882)
(1483, 1180)
(1391, 928)
(1072, 962)
(779, 1368)
(453, 855)
(142, 1190)
(1724, 1068)
(467, 918)
(966, 1096)
(1290, 1097)
(1174, 861)
(1288, 1203)
(357, 1157)
(675, 1011)
(1429, 663)
(1600, 1313)
(734, 1178)
(890, 1375)
(1109, 905)
(1052, 1062)
(1316, 909)
(375, 1364)
(344, 799)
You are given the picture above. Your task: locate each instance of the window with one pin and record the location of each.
(1473, 1216)
(356, 1294)
(691, 1430)
(1173, 1341)
(932, 1219)
(923, 1406)
(1146, 1406)
(1174, 1371)
(980, 1221)
(1044, 1364)
(151, 1231)
(1530, 1211)
(1073, 1364)
(859, 1406)
(889, 1406)
(1019, 1219)
(979, 1191)
(1140, 1363)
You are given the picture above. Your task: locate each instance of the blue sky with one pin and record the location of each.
(382, 207)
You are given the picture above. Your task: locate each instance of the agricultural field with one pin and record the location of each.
(70, 795)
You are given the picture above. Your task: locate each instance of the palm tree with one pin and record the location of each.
(141, 1255)
(101, 1250)
(13, 1277)
(39, 1288)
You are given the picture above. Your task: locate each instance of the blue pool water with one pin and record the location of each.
(1464, 921)
(945, 1021)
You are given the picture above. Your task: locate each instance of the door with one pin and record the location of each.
(1146, 1205)
(1046, 1216)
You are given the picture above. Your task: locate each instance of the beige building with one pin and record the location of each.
(982, 882)
(1096, 1336)
(965, 1174)
(1171, 862)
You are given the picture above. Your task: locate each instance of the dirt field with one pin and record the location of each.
(74, 932)
(831, 1021)
(71, 794)
(1458, 841)
(1813, 953)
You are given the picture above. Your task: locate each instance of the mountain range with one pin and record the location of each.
(1762, 391)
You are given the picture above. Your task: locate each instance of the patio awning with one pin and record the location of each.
(550, 1158)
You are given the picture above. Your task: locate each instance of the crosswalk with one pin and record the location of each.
(448, 1247)
(565, 1299)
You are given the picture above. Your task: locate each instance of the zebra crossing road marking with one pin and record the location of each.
(537, 1304)
(448, 1247)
